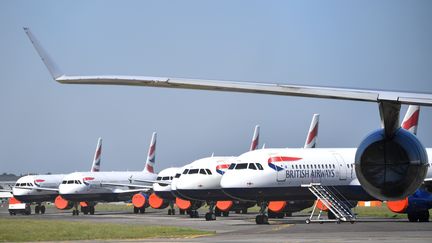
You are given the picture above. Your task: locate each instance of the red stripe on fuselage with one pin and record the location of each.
(282, 159)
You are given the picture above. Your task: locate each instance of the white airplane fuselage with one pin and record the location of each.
(164, 190)
(202, 180)
(286, 170)
(26, 188)
(89, 186)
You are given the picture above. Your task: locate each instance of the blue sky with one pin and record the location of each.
(46, 126)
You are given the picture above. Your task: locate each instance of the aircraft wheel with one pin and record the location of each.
(261, 219)
(308, 221)
(135, 210)
(73, 212)
(173, 211)
(413, 217)
(208, 216)
(280, 215)
(244, 211)
(142, 210)
(225, 214)
(288, 214)
(36, 209)
(424, 216)
(169, 212)
(92, 210)
(330, 215)
(42, 209)
(194, 214)
(182, 212)
(237, 211)
(218, 213)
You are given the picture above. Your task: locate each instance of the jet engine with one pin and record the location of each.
(391, 167)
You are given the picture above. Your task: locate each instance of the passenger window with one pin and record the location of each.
(185, 171)
(193, 171)
(252, 166)
(208, 171)
(241, 166)
(307, 166)
(259, 166)
(202, 171)
(333, 166)
(231, 166)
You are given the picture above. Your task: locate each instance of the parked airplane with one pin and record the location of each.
(92, 187)
(44, 188)
(391, 163)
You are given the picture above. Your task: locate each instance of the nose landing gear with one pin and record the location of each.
(262, 217)
(211, 215)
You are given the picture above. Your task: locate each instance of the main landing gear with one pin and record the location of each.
(420, 216)
(262, 217)
(39, 209)
(211, 215)
(171, 210)
(139, 210)
(88, 209)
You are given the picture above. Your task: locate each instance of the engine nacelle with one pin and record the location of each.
(391, 168)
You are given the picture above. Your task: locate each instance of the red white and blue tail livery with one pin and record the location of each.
(410, 121)
(311, 138)
(255, 138)
(151, 156)
(97, 157)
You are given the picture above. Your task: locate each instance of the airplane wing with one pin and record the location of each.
(150, 181)
(38, 188)
(5, 190)
(127, 185)
(121, 191)
(233, 86)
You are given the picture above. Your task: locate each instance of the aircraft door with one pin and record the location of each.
(342, 167)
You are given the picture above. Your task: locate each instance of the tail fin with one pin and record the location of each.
(255, 139)
(49, 63)
(410, 121)
(97, 157)
(311, 138)
(151, 156)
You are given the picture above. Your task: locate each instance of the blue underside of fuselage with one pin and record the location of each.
(100, 197)
(166, 195)
(205, 195)
(36, 198)
(356, 193)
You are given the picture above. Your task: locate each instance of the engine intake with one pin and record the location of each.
(391, 168)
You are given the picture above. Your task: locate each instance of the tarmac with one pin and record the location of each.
(242, 227)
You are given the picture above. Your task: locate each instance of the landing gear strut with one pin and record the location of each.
(171, 210)
(75, 211)
(262, 217)
(211, 215)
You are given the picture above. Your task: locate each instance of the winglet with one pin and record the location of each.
(311, 138)
(97, 157)
(410, 121)
(255, 138)
(49, 63)
(151, 156)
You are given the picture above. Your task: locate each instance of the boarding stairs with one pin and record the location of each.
(333, 200)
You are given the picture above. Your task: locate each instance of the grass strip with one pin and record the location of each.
(55, 230)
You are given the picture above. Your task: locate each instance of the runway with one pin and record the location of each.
(242, 228)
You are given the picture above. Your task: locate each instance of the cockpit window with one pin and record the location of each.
(177, 175)
(208, 171)
(185, 171)
(252, 166)
(171, 178)
(159, 178)
(259, 166)
(193, 171)
(231, 167)
(70, 182)
(17, 184)
(202, 171)
(165, 178)
(241, 166)
(64, 182)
